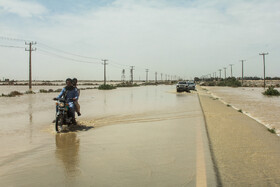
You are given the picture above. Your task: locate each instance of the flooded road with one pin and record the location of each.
(142, 136)
(264, 109)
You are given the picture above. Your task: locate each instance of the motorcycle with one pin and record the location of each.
(63, 116)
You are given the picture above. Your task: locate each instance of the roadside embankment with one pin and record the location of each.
(245, 153)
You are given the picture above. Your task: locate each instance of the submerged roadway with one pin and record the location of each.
(142, 136)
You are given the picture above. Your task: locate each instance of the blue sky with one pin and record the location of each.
(184, 38)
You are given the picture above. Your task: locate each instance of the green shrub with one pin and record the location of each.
(127, 84)
(273, 131)
(211, 83)
(12, 94)
(106, 87)
(43, 91)
(29, 92)
(271, 91)
(231, 81)
(58, 90)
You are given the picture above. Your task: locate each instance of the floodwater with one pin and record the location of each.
(36, 89)
(251, 101)
(142, 136)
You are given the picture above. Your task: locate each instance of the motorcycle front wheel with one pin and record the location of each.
(58, 123)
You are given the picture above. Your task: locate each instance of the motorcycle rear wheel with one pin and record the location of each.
(58, 123)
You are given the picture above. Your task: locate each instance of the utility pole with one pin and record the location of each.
(263, 54)
(123, 75)
(225, 69)
(161, 76)
(30, 49)
(131, 72)
(147, 72)
(242, 70)
(105, 63)
(231, 70)
(155, 77)
(220, 70)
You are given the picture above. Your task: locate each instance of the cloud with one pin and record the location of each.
(25, 9)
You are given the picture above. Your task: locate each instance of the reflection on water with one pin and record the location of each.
(30, 112)
(67, 151)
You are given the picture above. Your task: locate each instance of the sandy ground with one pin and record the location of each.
(264, 109)
(244, 152)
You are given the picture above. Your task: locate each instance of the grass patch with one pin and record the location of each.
(29, 92)
(230, 81)
(43, 91)
(272, 130)
(106, 87)
(88, 88)
(12, 94)
(228, 105)
(49, 90)
(240, 110)
(127, 84)
(58, 90)
(271, 91)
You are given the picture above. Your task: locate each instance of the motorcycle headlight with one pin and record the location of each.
(61, 104)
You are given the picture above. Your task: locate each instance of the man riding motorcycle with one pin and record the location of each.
(70, 94)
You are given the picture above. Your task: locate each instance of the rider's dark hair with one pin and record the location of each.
(68, 79)
(75, 80)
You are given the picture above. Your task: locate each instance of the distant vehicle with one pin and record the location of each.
(182, 86)
(191, 85)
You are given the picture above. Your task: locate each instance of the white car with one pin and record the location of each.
(191, 85)
(182, 86)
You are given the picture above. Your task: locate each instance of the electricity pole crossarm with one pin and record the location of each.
(30, 49)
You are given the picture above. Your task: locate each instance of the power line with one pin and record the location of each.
(11, 46)
(47, 48)
(56, 49)
(13, 39)
(81, 56)
(67, 58)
